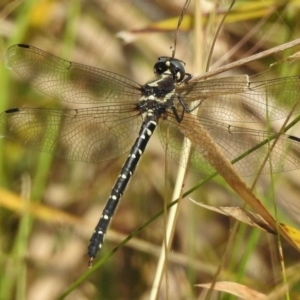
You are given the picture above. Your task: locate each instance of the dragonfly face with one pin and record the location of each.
(165, 65)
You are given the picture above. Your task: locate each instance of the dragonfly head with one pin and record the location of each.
(170, 66)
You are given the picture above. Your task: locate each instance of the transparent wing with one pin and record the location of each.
(234, 141)
(68, 81)
(235, 98)
(90, 134)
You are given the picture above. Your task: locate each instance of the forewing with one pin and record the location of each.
(68, 81)
(237, 99)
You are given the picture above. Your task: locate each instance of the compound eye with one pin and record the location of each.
(161, 66)
(177, 69)
(172, 65)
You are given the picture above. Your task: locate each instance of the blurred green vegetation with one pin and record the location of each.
(43, 243)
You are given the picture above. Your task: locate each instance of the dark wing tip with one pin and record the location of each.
(12, 110)
(294, 138)
(23, 46)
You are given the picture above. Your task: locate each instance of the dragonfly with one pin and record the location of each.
(113, 115)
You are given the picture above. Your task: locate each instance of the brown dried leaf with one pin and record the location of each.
(251, 219)
(236, 289)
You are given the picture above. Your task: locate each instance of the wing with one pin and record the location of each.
(68, 81)
(91, 134)
(235, 98)
(234, 142)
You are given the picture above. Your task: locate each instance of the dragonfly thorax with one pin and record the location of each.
(158, 94)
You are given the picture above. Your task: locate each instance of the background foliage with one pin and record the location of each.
(43, 243)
